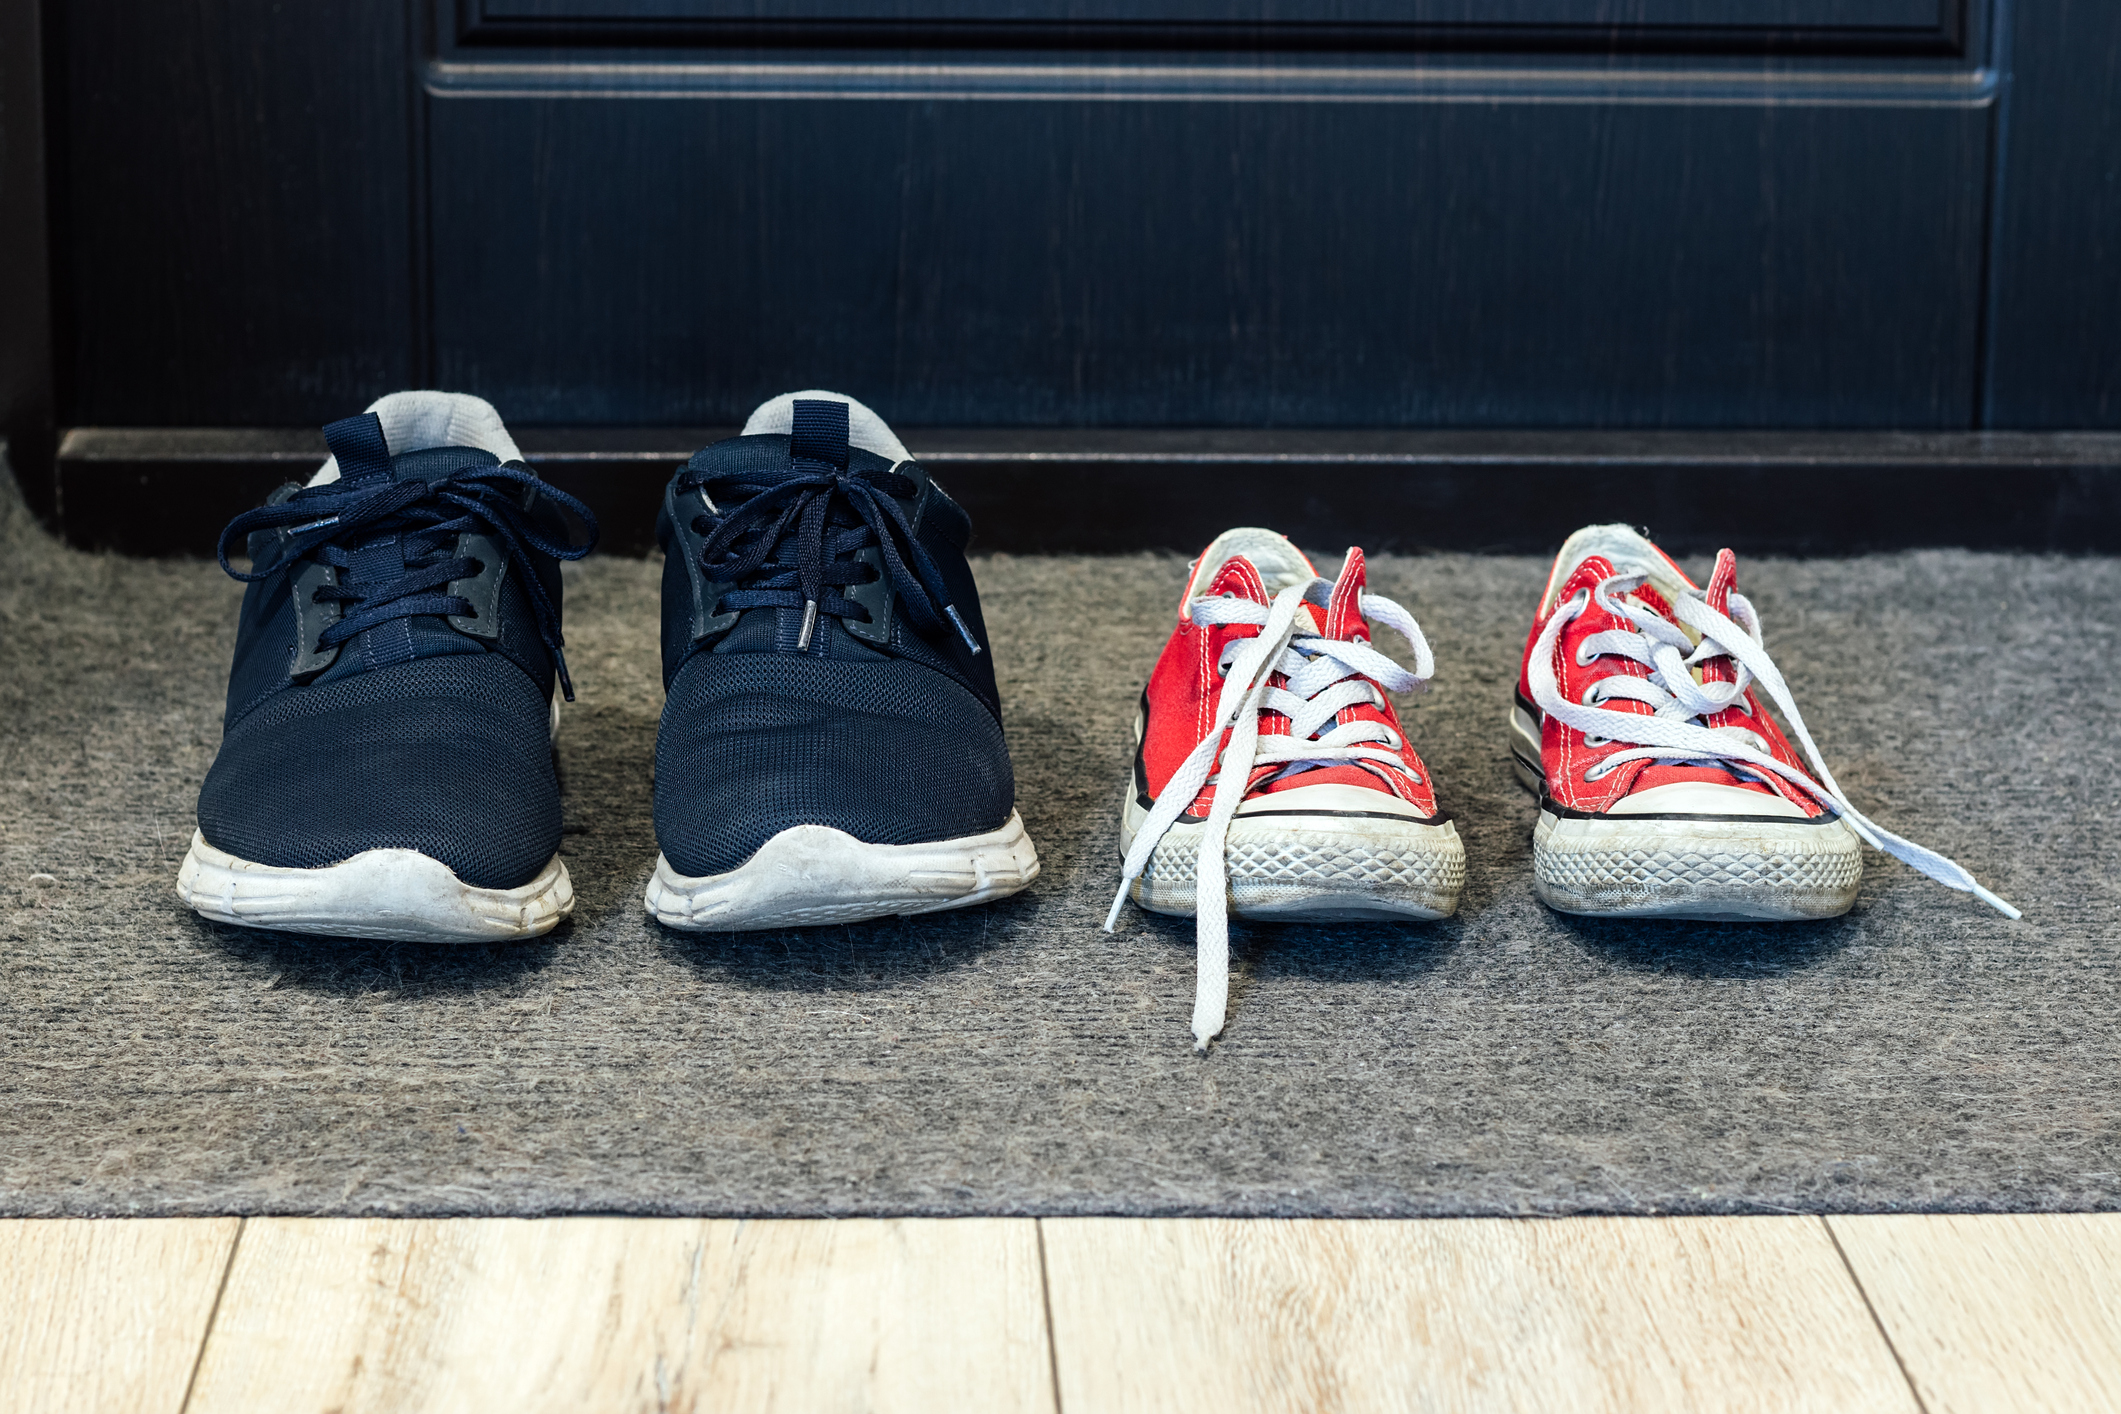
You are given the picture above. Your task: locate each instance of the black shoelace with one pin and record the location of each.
(429, 515)
(822, 516)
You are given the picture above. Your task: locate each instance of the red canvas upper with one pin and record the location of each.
(1565, 752)
(1184, 687)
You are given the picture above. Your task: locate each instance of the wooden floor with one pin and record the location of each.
(1087, 1314)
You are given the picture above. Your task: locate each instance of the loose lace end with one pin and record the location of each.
(962, 632)
(559, 662)
(1996, 903)
(802, 640)
(1119, 901)
(1207, 1026)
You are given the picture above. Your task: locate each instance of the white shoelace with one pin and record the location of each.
(1324, 675)
(1673, 732)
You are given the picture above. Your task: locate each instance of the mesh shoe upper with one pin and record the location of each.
(823, 649)
(450, 756)
(886, 750)
(395, 658)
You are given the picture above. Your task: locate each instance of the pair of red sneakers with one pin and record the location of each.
(1665, 790)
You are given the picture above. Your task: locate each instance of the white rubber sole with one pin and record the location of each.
(1721, 869)
(399, 895)
(1316, 868)
(813, 874)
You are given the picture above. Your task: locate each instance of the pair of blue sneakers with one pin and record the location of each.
(831, 745)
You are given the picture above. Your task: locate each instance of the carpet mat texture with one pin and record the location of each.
(1920, 1053)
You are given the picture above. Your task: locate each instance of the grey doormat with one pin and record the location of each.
(1919, 1053)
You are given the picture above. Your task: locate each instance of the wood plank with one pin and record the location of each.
(106, 1315)
(1994, 1312)
(610, 1313)
(1574, 1314)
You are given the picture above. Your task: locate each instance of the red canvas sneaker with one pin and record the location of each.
(1330, 815)
(1664, 790)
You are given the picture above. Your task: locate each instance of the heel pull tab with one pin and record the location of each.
(818, 432)
(357, 442)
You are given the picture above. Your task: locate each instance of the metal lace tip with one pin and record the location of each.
(802, 640)
(962, 632)
(559, 662)
(323, 524)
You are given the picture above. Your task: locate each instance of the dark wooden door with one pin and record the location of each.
(1637, 214)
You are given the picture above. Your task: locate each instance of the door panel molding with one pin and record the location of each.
(1912, 27)
(1278, 84)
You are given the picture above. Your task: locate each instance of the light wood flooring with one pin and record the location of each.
(1080, 1314)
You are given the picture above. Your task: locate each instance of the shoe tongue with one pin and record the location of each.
(1593, 570)
(419, 420)
(436, 463)
(1623, 548)
(1273, 562)
(776, 417)
(361, 455)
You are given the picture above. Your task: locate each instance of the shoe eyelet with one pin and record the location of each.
(1596, 773)
(1596, 741)
(1584, 660)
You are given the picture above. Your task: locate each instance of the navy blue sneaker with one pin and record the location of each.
(386, 761)
(831, 747)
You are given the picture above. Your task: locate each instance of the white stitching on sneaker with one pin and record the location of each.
(1672, 731)
(1324, 676)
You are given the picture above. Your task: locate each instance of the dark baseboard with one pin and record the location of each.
(160, 491)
